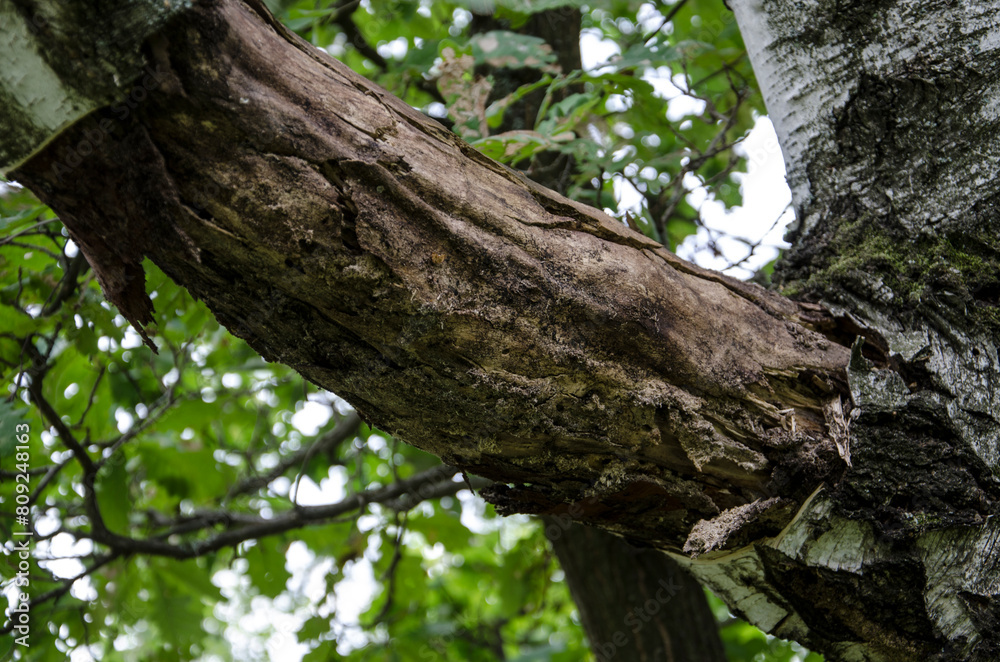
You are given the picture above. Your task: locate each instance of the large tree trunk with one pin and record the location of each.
(841, 500)
(636, 605)
(888, 117)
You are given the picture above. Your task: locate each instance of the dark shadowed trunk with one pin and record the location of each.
(636, 605)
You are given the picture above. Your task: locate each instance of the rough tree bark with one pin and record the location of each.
(634, 604)
(844, 498)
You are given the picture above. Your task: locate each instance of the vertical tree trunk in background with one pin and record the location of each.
(636, 605)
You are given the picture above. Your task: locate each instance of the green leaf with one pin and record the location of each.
(267, 566)
(504, 49)
(12, 416)
(16, 221)
(324, 652)
(314, 628)
(111, 489)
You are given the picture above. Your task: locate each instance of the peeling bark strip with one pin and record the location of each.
(63, 60)
(509, 330)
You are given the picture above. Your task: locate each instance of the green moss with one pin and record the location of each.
(962, 271)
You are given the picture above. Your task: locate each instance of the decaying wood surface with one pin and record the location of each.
(509, 330)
